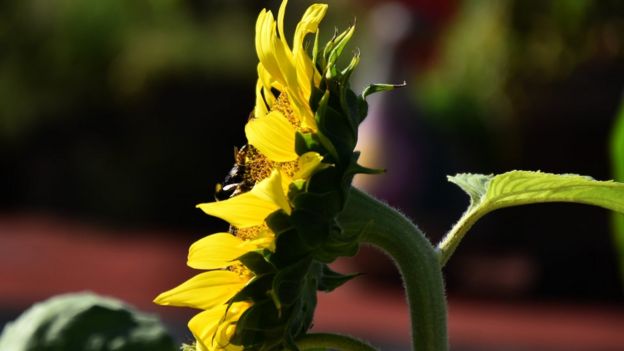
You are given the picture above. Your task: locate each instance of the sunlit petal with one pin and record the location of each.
(210, 327)
(273, 135)
(308, 163)
(251, 208)
(217, 251)
(203, 291)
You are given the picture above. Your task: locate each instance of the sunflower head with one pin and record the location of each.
(283, 196)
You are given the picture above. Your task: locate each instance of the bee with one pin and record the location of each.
(234, 182)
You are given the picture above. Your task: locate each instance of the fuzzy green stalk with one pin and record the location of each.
(416, 259)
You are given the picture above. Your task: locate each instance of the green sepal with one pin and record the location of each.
(257, 325)
(255, 290)
(335, 247)
(330, 279)
(257, 263)
(289, 248)
(350, 103)
(359, 169)
(311, 227)
(315, 47)
(331, 44)
(325, 181)
(317, 142)
(336, 50)
(279, 222)
(322, 106)
(347, 71)
(376, 88)
(372, 89)
(289, 282)
(306, 142)
(326, 205)
(316, 95)
(302, 311)
(296, 188)
(340, 243)
(339, 129)
(355, 168)
(362, 108)
(321, 60)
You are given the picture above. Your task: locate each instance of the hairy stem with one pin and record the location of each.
(333, 342)
(451, 240)
(416, 259)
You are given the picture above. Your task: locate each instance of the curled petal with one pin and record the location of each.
(306, 71)
(214, 328)
(309, 24)
(260, 109)
(291, 72)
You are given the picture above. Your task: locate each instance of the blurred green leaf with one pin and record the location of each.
(86, 322)
(617, 159)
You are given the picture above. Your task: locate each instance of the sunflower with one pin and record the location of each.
(271, 166)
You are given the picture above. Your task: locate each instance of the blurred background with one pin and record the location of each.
(118, 117)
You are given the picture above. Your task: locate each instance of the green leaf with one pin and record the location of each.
(85, 321)
(488, 193)
(475, 185)
(524, 187)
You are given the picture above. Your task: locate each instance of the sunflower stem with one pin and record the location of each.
(332, 341)
(416, 259)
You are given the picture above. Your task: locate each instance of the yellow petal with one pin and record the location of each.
(273, 135)
(242, 211)
(308, 163)
(273, 53)
(280, 22)
(261, 107)
(203, 291)
(251, 208)
(306, 71)
(309, 24)
(218, 251)
(206, 326)
(276, 192)
(265, 29)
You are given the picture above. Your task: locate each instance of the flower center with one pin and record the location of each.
(257, 166)
(282, 104)
(243, 272)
